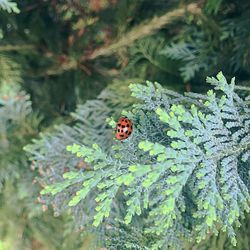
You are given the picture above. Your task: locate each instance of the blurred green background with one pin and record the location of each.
(55, 55)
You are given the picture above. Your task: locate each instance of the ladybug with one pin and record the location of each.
(124, 128)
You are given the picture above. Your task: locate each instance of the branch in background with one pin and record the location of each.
(60, 68)
(146, 29)
(139, 32)
(76, 5)
(5, 48)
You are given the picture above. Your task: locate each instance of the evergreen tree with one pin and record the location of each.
(23, 224)
(60, 54)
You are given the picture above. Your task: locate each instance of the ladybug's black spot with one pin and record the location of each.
(128, 125)
(129, 133)
(122, 130)
(123, 126)
(118, 130)
(119, 124)
(126, 132)
(122, 120)
(122, 135)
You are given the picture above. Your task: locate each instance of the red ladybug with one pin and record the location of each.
(124, 128)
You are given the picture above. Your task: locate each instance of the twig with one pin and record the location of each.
(146, 29)
(139, 32)
(4, 48)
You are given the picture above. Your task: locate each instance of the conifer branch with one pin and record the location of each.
(126, 40)
(185, 166)
(147, 29)
(8, 48)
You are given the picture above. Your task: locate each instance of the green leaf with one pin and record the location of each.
(80, 195)
(71, 175)
(145, 145)
(163, 115)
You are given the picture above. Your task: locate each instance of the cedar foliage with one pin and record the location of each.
(185, 168)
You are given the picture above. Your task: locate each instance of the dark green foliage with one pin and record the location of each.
(56, 61)
(23, 224)
(211, 43)
(17, 122)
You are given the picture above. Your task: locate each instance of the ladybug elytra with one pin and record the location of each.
(124, 128)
